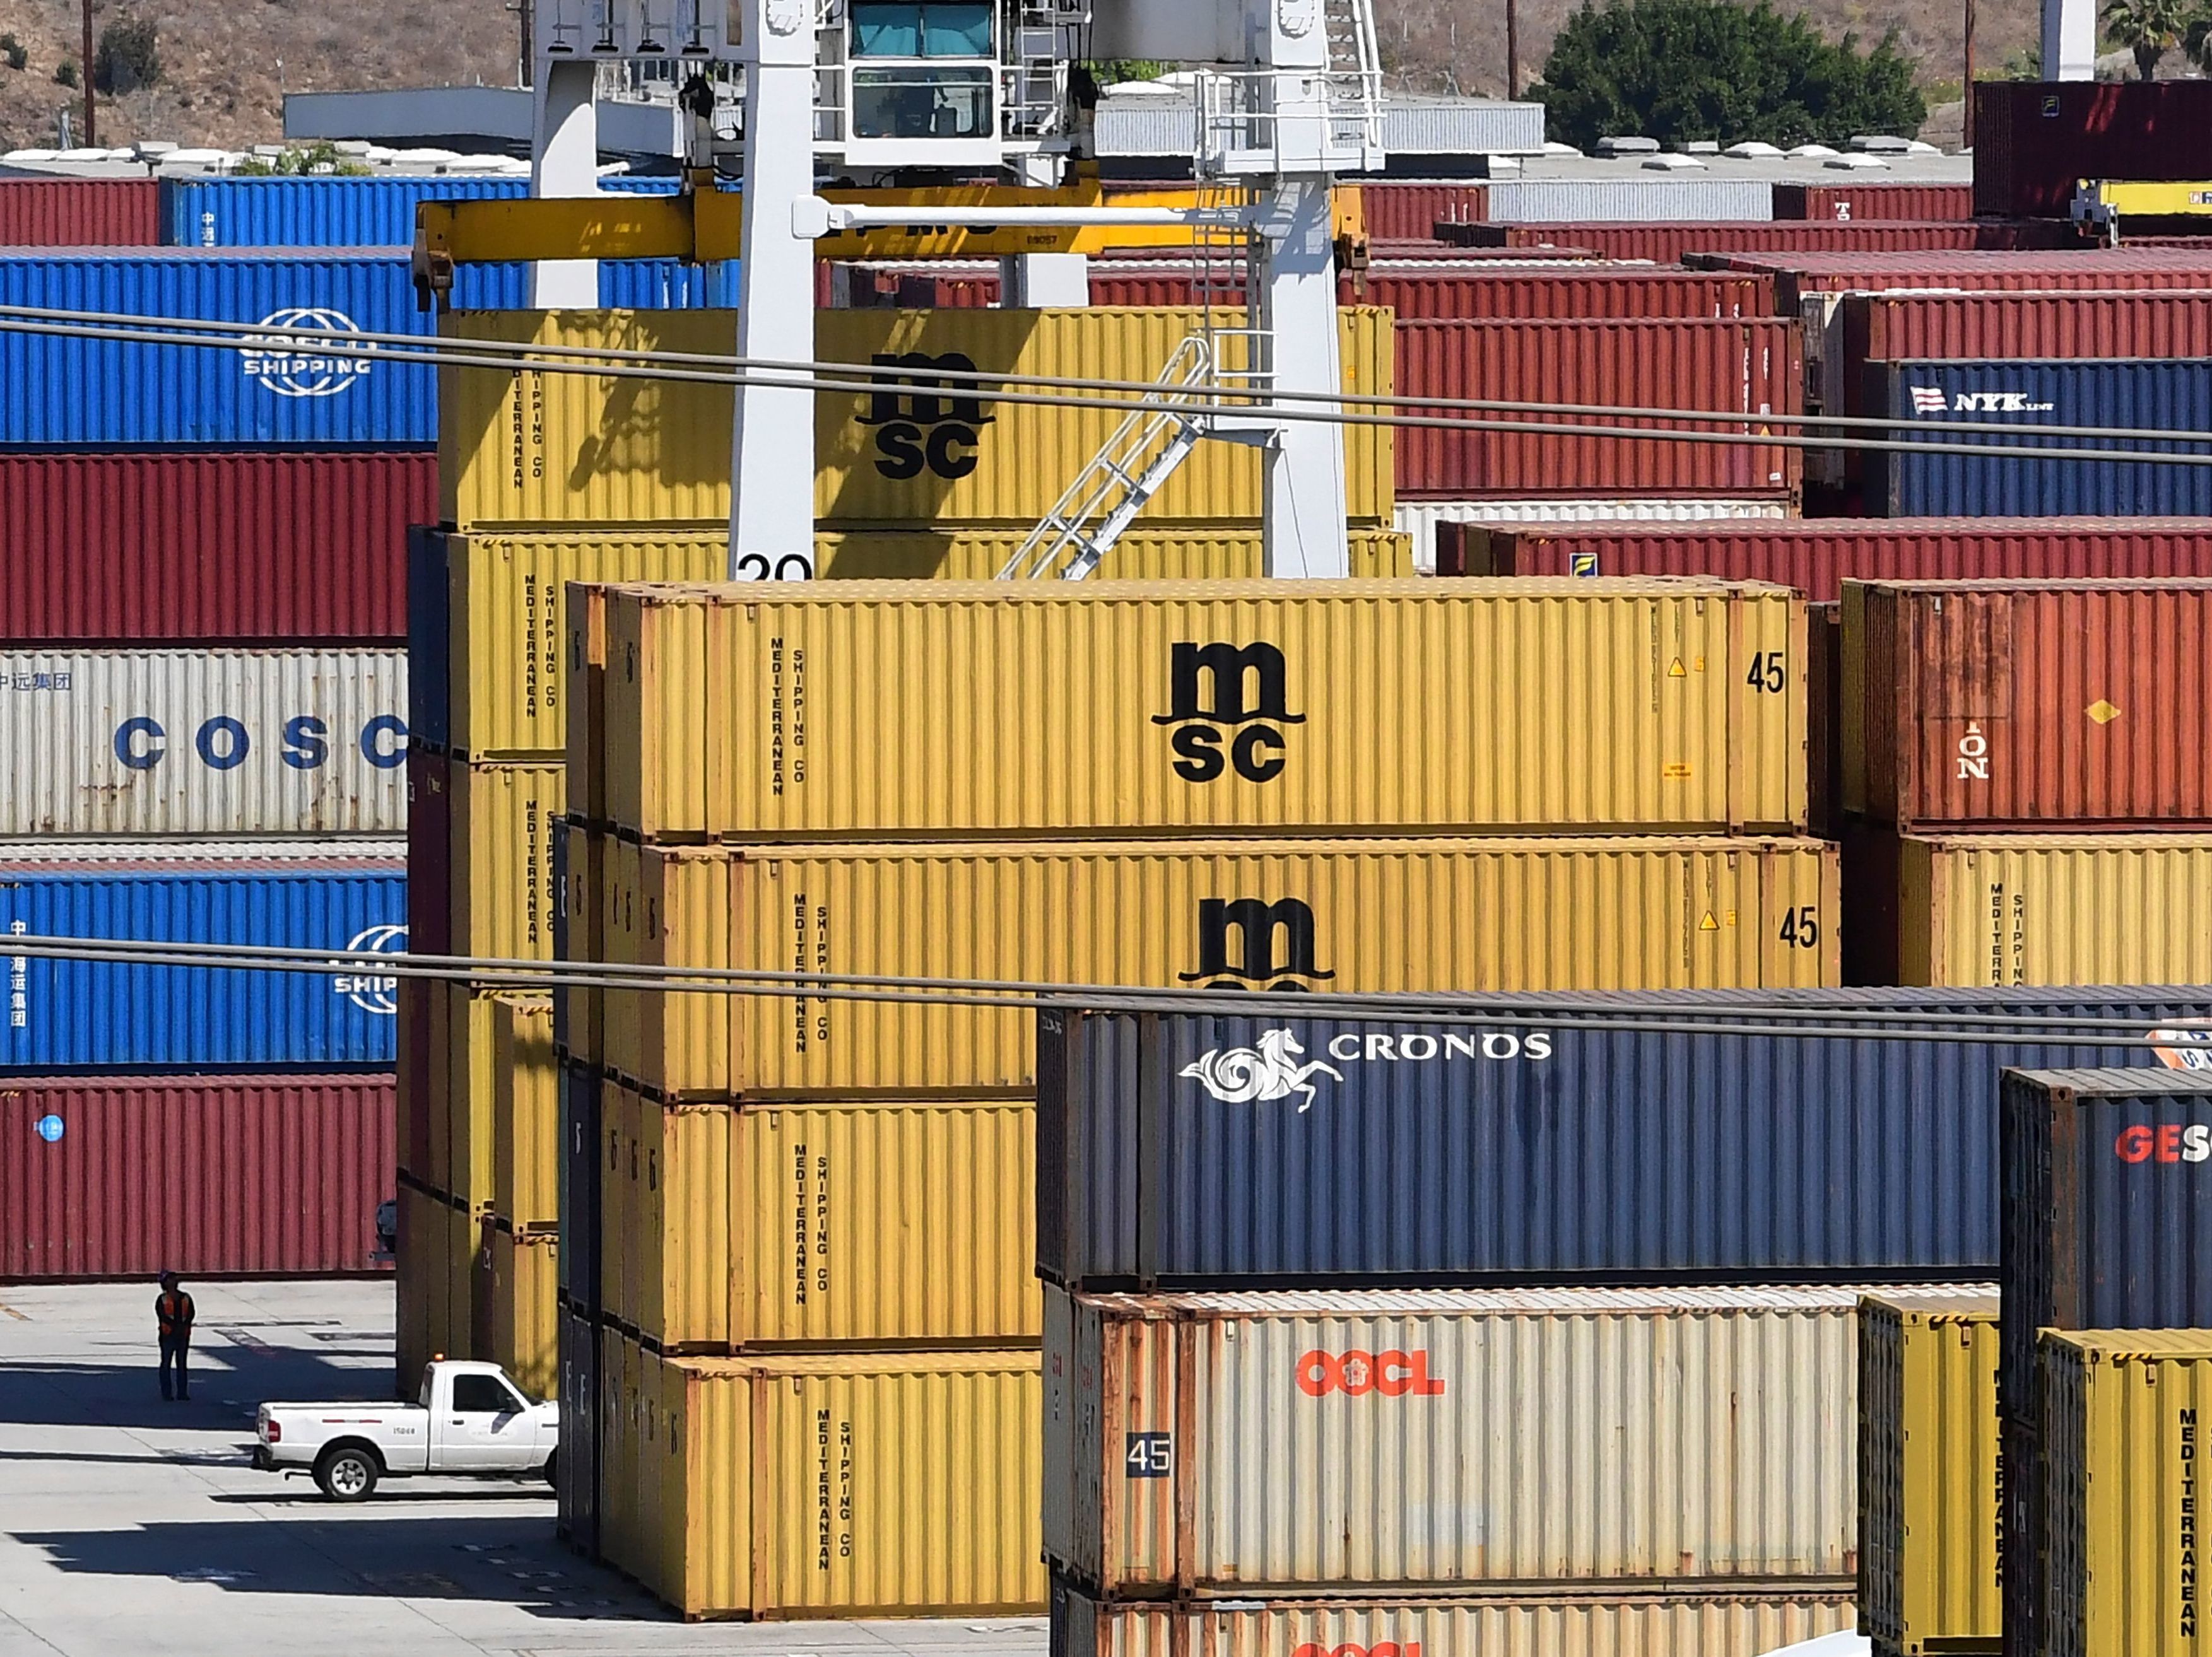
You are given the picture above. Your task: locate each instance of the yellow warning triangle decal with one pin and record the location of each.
(1676, 670)
(2103, 712)
(1709, 925)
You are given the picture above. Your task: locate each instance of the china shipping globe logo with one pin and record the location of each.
(373, 992)
(287, 367)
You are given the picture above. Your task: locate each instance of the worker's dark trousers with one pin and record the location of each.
(175, 1351)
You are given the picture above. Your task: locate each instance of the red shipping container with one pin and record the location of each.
(210, 547)
(1748, 368)
(1670, 242)
(1412, 211)
(1856, 203)
(2034, 140)
(1799, 275)
(206, 1175)
(80, 213)
(2037, 705)
(1817, 555)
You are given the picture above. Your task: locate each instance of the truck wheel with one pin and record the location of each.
(347, 1474)
(552, 1472)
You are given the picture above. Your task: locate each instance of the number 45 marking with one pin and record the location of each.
(1150, 1455)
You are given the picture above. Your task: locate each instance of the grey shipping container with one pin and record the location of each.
(1187, 1149)
(576, 1470)
(2107, 1220)
(583, 1161)
(1613, 201)
(2157, 395)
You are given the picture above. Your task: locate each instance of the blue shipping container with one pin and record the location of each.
(2107, 1209)
(323, 212)
(68, 1015)
(2172, 395)
(59, 391)
(1191, 1149)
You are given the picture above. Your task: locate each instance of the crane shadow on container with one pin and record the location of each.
(359, 1553)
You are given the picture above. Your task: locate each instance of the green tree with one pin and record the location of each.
(2149, 29)
(1683, 70)
(128, 57)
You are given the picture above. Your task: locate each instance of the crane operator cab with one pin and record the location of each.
(908, 89)
(923, 69)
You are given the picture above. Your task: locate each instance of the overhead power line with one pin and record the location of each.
(1346, 410)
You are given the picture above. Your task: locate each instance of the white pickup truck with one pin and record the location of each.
(472, 1421)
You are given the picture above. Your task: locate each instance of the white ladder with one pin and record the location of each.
(1044, 40)
(1355, 62)
(1125, 474)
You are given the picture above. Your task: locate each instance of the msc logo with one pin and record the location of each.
(1219, 726)
(2169, 1142)
(373, 992)
(284, 367)
(922, 424)
(1929, 399)
(1244, 1076)
(1258, 927)
(1393, 1374)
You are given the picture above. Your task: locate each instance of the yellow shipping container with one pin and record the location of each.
(584, 751)
(1361, 916)
(526, 1112)
(522, 447)
(875, 711)
(836, 1484)
(1928, 1473)
(1230, 553)
(2055, 909)
(622, 1147)
(902, 1225)
(517, 1320)
(2125, 1412)
(502, 857)
(464, 1026)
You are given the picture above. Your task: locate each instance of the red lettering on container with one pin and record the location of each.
(2134, 1144)
(2169, 1142)
(1394, 1374)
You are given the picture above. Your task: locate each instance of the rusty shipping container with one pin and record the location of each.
(1410, 211)
(1676, 243)
(2117, 1553)
(1817, 555)
(876, 710)
(1688, 1623)
(1980, 704)
(2108, 1219)
(1651, 913)
(1874, 269)
(1747, 368)
(1931, 1478)
(207, 548)
(883, 1225)
(1223, 1445)
(912, 451)
(2034, 140)
(1858, 203)
(50, 212)
(1433, 290)
(830, 1485)
(2050, 908)
(207, 1175)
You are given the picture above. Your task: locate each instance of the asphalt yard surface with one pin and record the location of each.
(134, 1527)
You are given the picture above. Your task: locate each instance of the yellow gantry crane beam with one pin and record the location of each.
(705, 226)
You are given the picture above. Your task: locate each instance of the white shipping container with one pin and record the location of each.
(1611, 201)
(204, 742)
(1312, 1443)
(1545, 1625)
(1420, 518)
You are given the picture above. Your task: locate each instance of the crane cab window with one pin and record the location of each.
(955, 28)
(909, 77)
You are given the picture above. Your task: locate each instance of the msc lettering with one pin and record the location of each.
(1393, 1374)
(2168, 1142)
(1218, 728)
(1386, 1648)
(224, 743)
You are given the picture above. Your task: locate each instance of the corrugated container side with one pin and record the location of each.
(1440, 530)
(420, 1292)
(225, 743)
(584, 1161)
(79, 213)
(429, 853)
(79, 1014)
(330, 212)
(584, 754)
(1857, 204)
(525, 1120)
(877, 712)
(1924, 398)
(1624, 201)
(580, 1015)
(2026, 1473)
(522, 1334)
(1750, 368)
(872, 1224)
(2038, 909)
(576, 1488)
(254, 395)
(843, 1487)
(1688, 1624)
(1311, 1442)
(2034, 140)
(2106, 1224)
(1930, 1475)
(209, 547)
(1653, 913)
(258, 1176)
(913, 451)
(1818, 555)
(417, 1101)
(502, 858)
(1141, 555)
(429, 640)
(1410, 211)
(2054, 705)
(1178, 1148)
(1671, 243)
(2117, 1553)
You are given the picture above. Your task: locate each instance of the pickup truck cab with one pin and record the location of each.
(470, 1420)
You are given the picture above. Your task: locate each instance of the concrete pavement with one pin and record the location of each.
(132, 1528)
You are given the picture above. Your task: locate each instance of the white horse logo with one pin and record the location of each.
(1241, 1075)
